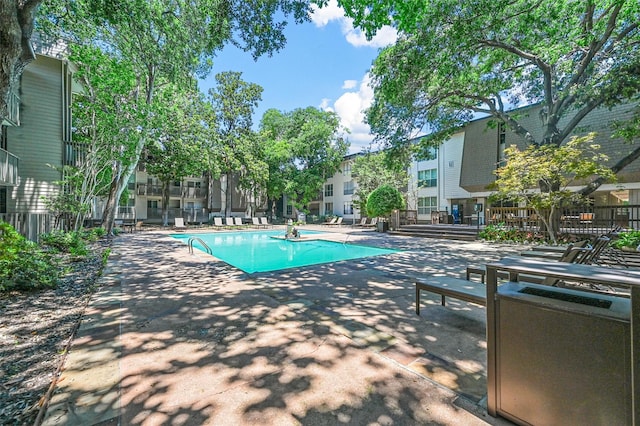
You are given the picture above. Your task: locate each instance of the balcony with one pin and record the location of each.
(8, 168)
(174, 191)
(13, 110)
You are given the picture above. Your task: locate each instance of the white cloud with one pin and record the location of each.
(349, 84)
(350, 108)
(321, 17)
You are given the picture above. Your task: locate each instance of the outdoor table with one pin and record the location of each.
(619, 278)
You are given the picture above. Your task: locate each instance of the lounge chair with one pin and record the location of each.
(582, 252)
(228, 221)
(363, 222)
(331, 222)
(255, 222)
(336, 223)
(179, 224)
(238, 222)
(373, 223)
(217, 222)
(264, 221)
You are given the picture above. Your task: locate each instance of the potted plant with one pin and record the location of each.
(381, 202)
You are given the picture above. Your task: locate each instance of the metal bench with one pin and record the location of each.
(469, 291)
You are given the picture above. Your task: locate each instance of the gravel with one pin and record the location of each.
(35, 329)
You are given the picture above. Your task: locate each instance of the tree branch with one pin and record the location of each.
(624, 162)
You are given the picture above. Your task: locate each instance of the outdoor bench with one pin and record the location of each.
(457, 288)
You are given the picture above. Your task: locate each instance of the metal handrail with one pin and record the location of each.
(191, 241)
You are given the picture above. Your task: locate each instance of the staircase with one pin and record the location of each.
(450, 232)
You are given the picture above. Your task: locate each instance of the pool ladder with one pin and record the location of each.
(193, 239)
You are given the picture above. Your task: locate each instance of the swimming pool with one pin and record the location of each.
(257, 251)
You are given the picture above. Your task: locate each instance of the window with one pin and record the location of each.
(328, 190)
(348, 188)
(152, 204)
(194, 184)
(428, 153)
(3, 199)
(428, 178)
(348, 208)
(3, 138)
(502, 139)
(347, 169)
(328, 208)
(289, 209)
(426, 205)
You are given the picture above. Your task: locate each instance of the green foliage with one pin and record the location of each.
(68, 242)
(539, 177)
(302, 148)
(627, 239)
(371, 171)
(454, 60)
(383, 200)
(23, 265)
(500, 233)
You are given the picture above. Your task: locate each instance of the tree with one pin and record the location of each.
(302, 148)
(384, 200)
(16, 28)
(233, 101)
(173, 152)
(455, 60)
(371, 171)
(558, 167)
(165, 41)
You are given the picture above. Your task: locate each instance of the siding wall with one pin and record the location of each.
(38, 140)
(480, 154)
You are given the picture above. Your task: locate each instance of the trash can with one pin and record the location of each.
(562, 356)
(302, 218)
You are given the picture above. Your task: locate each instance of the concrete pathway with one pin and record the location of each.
(180, 339)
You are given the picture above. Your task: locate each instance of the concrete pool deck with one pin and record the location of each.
(174, 338)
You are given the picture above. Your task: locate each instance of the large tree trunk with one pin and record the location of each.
(16, 27)
(165, 203)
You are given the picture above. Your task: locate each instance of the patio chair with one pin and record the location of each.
(373, 223)
(572, 254)
(238, 222)
(331, 222)
(228, 221)
(255, 222)
(179, 225)
(217, 223)
(336, 223)
(265, 222)
(363, 222)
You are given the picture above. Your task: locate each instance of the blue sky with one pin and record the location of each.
(325, 64)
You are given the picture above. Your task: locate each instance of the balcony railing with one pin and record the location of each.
(13, 110)
(174, 191)
(8, 168)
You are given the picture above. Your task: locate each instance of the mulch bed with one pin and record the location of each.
(35, 329)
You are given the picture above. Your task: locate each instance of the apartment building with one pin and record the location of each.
(35, 140)
(483, 151)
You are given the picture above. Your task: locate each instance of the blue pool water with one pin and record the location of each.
(258, 252)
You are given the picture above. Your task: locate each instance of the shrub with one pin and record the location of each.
(67, 242)
(627, 239)
(383, 200)
(23, 265)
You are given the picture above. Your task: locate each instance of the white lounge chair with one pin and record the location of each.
(238, 222)
(337, 222)
(179, 224)
(256, 223)
(217, 222)
(264, 221)
(228, 221)
(331, 222)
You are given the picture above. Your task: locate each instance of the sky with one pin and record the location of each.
(324, 64)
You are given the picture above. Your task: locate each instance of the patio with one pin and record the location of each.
(179, 338)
